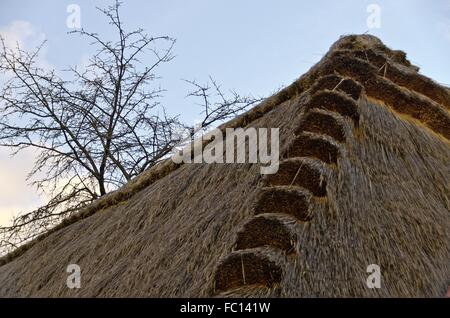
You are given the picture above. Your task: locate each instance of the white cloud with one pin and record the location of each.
(26, 36)
(21, 33)
(15, 194)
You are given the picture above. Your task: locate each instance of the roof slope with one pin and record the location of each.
(365, 144)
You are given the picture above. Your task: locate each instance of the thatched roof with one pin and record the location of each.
(364, 179)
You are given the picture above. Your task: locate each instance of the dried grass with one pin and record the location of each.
(403, 76)
(300, 172)
(322, 122)
(419, 107)
(334, 82)
(285, 200)
(336, 102)
(246, 268)
(265, 231)
(311, 145)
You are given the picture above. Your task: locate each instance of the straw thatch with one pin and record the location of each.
(363, 180)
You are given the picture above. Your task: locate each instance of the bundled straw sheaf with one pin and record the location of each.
(363, 180)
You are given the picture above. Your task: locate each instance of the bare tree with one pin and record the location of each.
(216, 105)
(97, 130)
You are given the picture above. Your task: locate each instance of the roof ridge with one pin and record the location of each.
(400, 99)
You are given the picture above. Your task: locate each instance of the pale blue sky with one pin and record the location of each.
(253, 46)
